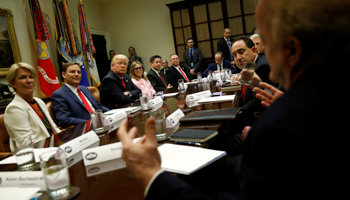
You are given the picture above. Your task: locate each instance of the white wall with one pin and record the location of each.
(144, 26)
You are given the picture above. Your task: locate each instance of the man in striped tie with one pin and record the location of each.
(72, 103)
(176, 72)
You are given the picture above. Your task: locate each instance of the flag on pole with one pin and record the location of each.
(88, 44)
(47, 75)
(68, 45)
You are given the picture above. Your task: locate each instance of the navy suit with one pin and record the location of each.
(225, 64)
(68, 109)
(197, 60)
(112, 90)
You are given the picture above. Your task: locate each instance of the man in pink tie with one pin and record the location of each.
(72, 103)
(116, 88)
(176, 72)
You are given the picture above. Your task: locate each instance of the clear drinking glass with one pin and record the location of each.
(247, 73)
(97, 121)
(181, 86)
(25, 157)
(144, 101)
(161, 131)
(54, 167)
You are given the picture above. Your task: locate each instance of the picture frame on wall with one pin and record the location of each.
(9, 51)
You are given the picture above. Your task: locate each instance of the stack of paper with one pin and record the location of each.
(217, 99)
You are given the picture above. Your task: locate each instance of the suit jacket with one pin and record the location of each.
(173, 75)
(164, 71)
(136, 58)
(287, 149)
(112, 90)
(213, 67)
(68, 109)
(223, 48)
(197, 60)
(155, 80)
(21, 122)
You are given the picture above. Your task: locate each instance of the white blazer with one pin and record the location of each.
(22, 122)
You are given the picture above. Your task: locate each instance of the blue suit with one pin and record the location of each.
(213, 67)
(68, 109)
(112, 90)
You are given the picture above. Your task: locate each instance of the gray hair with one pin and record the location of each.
(254, 36)
(120, 57)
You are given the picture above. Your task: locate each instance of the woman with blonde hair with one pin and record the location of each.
(138, 78)
(26, 117)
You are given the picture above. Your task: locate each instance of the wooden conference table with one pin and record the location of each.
(121, 183)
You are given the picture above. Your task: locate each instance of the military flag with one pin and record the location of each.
(47, 75)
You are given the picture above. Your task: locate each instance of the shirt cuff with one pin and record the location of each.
(151, 181)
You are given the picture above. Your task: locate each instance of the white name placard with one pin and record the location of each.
(103, 167)
(155, 103)
(78, 144)
(191, 104)
(23, 179)
(198, 95)
(174, 118)
(103, 153)
(113, 121)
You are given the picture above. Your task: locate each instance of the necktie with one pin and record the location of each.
(184, 75)
(132, 59)
(191, 55)
(123, 83)
(83, 99)
(244, 89)
(162, 78)
(229, 48)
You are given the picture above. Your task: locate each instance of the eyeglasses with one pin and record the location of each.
(138, 69)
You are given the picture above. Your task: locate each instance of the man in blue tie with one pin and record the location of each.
(224, 46)
(192, 59)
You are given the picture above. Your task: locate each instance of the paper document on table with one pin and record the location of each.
(17, 193)
(170, 94)
(186, 159)
(127, 110)
(217, 99)
(37, 153)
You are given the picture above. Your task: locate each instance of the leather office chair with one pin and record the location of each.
(4, 136)
(49, 107)
(95, 92)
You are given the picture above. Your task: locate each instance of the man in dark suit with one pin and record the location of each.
(111, 55)
(155, 76)
(165, 65)
(176, 72)
(133, 57)
(220, 65)
(68, 102)
(117, 89)
(224, 46)
(192, 59)
(289, 148)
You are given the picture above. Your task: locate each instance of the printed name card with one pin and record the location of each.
(113, 121)
(174, 118)
(103, 153)
(155, 103)
(78, 144)
(99, 168)
(23, 179)
(198, 95)
(191, 104)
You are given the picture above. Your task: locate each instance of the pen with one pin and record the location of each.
(189, 143)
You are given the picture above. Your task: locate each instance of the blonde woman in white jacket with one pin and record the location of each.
(27, 117)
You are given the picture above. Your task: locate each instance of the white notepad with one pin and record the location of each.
(217, 99)
(186, 159)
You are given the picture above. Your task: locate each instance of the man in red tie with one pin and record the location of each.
(116, 88)
(72, 103)
(176, 72)
(157, 77)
